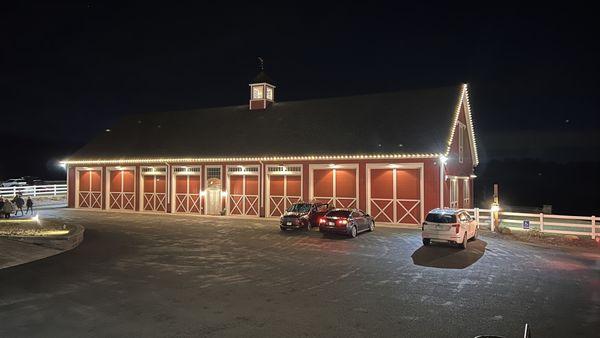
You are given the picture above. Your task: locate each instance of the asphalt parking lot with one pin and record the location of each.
(150, 275)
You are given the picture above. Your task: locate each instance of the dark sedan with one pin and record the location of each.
(348, 222)
(303, 215)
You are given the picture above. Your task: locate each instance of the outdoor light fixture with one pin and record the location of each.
(223, 193)
(202, 193)
(444, 159)
(495, 207)
(62, 164)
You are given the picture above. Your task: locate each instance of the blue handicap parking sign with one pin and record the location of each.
(526, 224)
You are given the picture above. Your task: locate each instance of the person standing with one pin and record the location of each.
(7, 208)
(29, 205)
(19, 202)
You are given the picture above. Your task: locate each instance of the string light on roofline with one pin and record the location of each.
(464, 97)
(249, 159)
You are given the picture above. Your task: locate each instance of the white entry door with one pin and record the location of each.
(213, 201)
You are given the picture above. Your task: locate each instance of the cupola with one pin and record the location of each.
(262, 90)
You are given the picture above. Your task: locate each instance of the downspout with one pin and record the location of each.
(442, 160)
(169, 177)
(262, 190)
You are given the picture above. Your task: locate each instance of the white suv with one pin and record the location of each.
(14, 182)
(449, 225)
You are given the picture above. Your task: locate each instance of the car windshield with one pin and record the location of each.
(441, 218)
(300, 207)
(338, 213)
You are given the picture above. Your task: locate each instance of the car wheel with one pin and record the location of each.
(282, 228)
(426, 241)
(463, 245)
(353, 232)
(372, 226)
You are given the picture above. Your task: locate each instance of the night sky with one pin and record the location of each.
(70, 71)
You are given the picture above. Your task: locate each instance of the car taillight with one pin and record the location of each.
(321, 220)
(456, 227)
(342, 221)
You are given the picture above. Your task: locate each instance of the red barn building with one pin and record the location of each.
(395, 155)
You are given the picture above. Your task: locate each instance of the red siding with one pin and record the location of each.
(453, 166)
(323, 179)
(71, 188)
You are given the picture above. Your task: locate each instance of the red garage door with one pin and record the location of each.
(395, 195)
(337, 186)
(187, 193)
(122, 190)
(284, 190)
(155, 193)
(243, 195)
(90, 189)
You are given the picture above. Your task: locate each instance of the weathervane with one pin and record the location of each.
(261, 63)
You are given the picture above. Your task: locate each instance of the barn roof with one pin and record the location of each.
(403, 122)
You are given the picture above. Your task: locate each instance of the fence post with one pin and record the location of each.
(34, 190)
(55, 190)
(14, 191)
(541, 222)
(477, 215)
(593, 227)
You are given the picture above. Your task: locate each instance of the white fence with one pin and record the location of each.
(35, 190)
(544, 223)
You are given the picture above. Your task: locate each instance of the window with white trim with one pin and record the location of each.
(242, 169)
(214, 172)
(461, 142)
(454, 193)
(257, 92)
(186, 169)
(466, 194)
(285, 169)
(269, 93)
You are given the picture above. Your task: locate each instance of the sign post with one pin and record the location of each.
(495, 209)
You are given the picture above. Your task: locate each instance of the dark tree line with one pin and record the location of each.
(571, 188)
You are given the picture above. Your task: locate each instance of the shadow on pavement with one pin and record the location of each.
(444, 256)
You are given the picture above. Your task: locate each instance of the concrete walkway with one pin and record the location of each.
(13, 252)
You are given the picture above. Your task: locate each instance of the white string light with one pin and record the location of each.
(464, 96)
(248, 159)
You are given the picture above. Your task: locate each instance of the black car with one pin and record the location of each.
(303, 215)
(349, 222)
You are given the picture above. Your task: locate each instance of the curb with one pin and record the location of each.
(63, 243)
